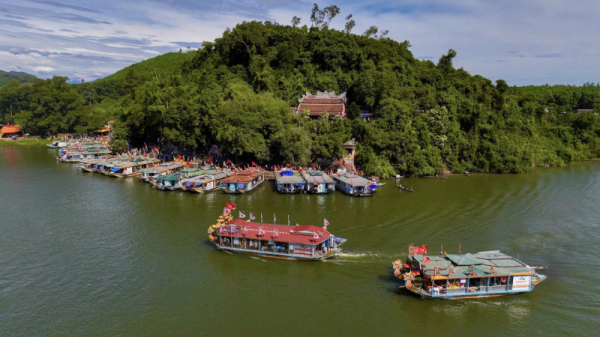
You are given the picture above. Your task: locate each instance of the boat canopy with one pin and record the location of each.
(353, 180)
(259, 231)
(290, 178)
(482, 264)
(317, 177)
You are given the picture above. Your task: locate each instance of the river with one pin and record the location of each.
(84, 255)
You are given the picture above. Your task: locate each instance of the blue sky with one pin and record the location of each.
(523, 42)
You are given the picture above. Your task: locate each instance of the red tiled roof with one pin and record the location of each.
(319, 108)
(295, 234)
(10, 129)
(243, 176)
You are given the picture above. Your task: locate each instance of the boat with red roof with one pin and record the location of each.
(243, 181)
(285, 242)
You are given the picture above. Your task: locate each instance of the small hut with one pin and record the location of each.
(9, 131)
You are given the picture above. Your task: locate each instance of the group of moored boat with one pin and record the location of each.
(318, 182)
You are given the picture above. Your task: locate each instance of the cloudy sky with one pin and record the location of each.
(523, 42)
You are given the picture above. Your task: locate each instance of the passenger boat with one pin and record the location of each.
(354, 185)
(243, 181)
(83, 148)
(107, 168)
(152, 173)
(210, 181)
(76, 157)
(101, 165)
(318, 182)
(308, 243)
(288, 181)
(133, 168)
(460, 276)
(89, 165)
(175, 181)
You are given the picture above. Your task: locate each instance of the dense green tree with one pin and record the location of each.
(238, 91)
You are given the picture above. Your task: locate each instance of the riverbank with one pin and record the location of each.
(24, 142)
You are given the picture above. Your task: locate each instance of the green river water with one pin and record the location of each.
(88, 255)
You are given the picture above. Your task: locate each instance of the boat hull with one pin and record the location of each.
(279, 256)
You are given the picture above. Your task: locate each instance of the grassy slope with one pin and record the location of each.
(6, 77)
(23, 142)
(162, 64)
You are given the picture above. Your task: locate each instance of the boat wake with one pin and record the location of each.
(257, 258)
(358, 255)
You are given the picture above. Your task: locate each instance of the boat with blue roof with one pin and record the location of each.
(463, 276)
(288, 181)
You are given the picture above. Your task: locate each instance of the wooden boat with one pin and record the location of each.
(133, 168)
(243, 181)
(405, 188)
(101, 165)
(289, 182)
(210, 181)
(74, 145)
(175, 181)
(76, 157)
(460, 276)
(152, 173)
(106, 169)
(89, 165)
(318, 182)
(354, 185)
(284, 242)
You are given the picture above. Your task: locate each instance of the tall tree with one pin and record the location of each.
(350, 23)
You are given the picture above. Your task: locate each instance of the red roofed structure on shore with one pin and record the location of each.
(10, 130)
(328, 102)
(275, 241)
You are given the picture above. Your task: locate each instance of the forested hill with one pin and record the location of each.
(21, 77)
(159, 66)
(237, 92)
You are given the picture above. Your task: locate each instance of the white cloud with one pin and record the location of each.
(44, 69)
(533, 42)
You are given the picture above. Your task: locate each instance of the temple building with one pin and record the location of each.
(334, 104)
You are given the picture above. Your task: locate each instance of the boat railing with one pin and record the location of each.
(492, 289)
(456, 291)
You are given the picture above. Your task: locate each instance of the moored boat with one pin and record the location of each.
(76, 157)
(175, 181)
(460, 276)
(243, 181)
(153, 173)
(290, 182)
(354, 185)
(89, 165)
(210, 181)
(318, 182)
(133, 168)
(309, 243)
